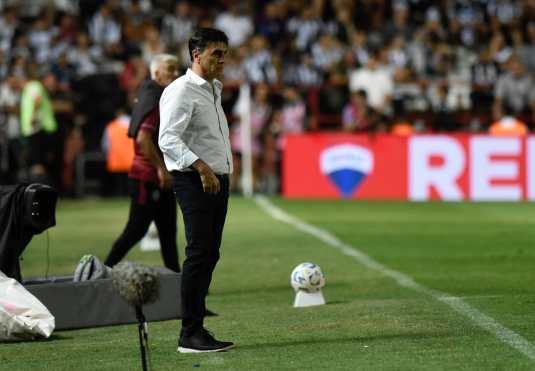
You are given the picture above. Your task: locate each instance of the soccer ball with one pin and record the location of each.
(307, 277)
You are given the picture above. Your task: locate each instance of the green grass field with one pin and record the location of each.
(482, 253)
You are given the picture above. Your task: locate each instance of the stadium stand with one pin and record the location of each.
(433, 66)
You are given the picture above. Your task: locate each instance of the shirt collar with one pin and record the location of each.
(200, 81)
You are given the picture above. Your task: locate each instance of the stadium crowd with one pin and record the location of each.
(371, 66)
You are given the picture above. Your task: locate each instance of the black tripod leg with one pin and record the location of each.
(143, 343)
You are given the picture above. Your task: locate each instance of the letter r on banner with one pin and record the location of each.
(444, 178)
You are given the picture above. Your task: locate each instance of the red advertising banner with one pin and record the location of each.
(421, 167)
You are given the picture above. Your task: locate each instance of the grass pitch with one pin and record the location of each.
(483, 253)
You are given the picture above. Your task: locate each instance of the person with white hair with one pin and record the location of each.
(150, 184)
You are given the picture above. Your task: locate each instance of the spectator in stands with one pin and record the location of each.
(359, 49)
(508, 124)
(11, 152)
(8, 24)
(504, 11)
(305, 27)
(329, 101)
(290, 119)
(85, 58)
(498, 47)
(177, 26)
(458, 79)
(342, 26)
(443, 113)
(271, 24)
(399, 24)
(176, 29)
(236, 22)
(4, 67)
(408, 95)
(304, 74)
(293, 113)
(105, 31)
(152, 44)
(40, 38)
(524, 46)
(326, 53)
(260, 112)
(258, 64)
(235, 73)
(515, 88)
(64, 72)
(357, 116)
(397, 52)
(21, 47)
(270, 170)
(136, 22)
(484, 74)
(9, 110)
(376, 81)
(68, 28)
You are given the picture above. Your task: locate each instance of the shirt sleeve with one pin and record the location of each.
(176, 110)
(150, 121)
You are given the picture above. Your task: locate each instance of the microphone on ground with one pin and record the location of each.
(138, 285)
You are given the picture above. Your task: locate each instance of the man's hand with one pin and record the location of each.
(165, 179)
(210, 183)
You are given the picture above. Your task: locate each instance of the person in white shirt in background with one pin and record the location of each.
(375, 81)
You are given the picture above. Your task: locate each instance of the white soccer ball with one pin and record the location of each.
(307, 277)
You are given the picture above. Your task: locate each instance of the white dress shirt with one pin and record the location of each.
(376, 83)
(193, 125)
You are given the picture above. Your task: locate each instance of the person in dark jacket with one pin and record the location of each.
(150, 184)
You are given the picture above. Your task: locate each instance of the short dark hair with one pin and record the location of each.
(204, 36)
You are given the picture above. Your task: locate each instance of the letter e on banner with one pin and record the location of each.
(443, 177)
(485, 169)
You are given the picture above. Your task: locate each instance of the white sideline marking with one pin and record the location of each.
(482, 320)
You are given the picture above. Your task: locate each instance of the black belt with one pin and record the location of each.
(192, 173)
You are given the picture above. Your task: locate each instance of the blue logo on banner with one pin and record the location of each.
(346, 165)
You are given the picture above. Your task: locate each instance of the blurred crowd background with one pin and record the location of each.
(69, 68)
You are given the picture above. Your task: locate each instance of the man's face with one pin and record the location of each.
(212, 60)
(167, 73)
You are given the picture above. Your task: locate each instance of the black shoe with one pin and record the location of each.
(202, 341)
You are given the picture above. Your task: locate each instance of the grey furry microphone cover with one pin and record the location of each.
(136, 283)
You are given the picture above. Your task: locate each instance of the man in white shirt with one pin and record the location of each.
(194, 139)
(237, 23)
(375, 81)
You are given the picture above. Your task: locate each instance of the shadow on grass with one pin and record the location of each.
(59, 337)
(337, 302)
(53, 337)
(270, 289)
(364, 341)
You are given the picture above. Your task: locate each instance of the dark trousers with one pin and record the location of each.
(204, 218)
(148, 203)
